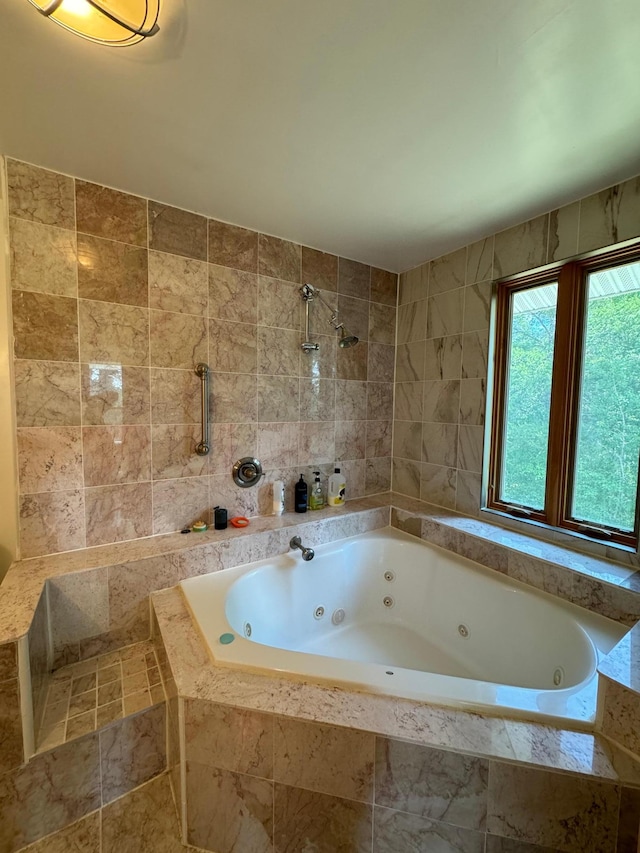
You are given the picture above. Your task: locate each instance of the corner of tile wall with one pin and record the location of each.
(443, 342)
(115, 298)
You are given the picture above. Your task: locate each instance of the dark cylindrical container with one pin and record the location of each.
(220, 518)
(301, 495)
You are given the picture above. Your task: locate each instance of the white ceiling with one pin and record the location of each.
(389, 131)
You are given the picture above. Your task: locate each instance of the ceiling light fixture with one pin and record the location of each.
(113, 22)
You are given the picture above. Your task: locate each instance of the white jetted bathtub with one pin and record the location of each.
(390, 614)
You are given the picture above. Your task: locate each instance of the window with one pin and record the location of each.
(565, 431)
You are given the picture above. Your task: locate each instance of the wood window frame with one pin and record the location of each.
(572, 279)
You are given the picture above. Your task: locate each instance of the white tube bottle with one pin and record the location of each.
(337, 489)
(278, 497)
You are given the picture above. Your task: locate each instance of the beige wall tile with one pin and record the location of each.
(178, 284)
(175, 396)
(143, 821)
(228, 811)
(472, 401)
(306, 819)
(414, 284)
(610, 216)
(319, 269)
(43, 258)
(379, 438)
(233, 295)
(384, 286)
(406, 477)
(552, 809)
(177, 231)
(180, 503)
(445, 313)
(278, 351)
(382, 324)
(11, 755)
(8, 661)
(279, 304)
(563, 232)
(320, 362)
(468, 492)
(351, 400)
(112, 272)
(40, 195)
(45, 327)
(117, 513)
(441, 401)
(477, 306)
(224, 492)
(377, 477)
(407, 440)
(480, 261)
(439, 443)
(234, 398)
(354, 313)
(410, 360)
(277, 444)
(352, 363)
(173, 448)
(233, 347)
(82, 836)
(381, 362)
(470, 444)
(116, 454)
(317, 400)
(443, 358)
(109, 213)
(326, 759)
(279, 258)
(438, 485)
(132, 751)
(448, 272)
(354, 279)
(78, 607)
(316, 443)
(233, 739)
(49, 459)
(278, 398)
(47, 393)
(475, 346)
(418, 833)
(231, 246)
(51, 522)
(432, 783)
(621, 715)
(350, 440)
(408, 402)
(522, 247)
(113, 334)
(231, 442)
(177, 340)
(114, 395)
(379, 401)
(412, 321)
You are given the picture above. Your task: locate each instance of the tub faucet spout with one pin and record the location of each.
(307, 553)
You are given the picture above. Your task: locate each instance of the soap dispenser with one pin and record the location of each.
(301, 495)
(316, 498)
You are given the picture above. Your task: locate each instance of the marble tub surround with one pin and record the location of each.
(293, 763)
(607, 588)
(81, 593)
(115, 299)
(442, 344)
(67, 783)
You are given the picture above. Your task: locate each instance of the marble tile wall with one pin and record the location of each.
(58, 788)
(255, 780)
(443, 333)
(115, 298)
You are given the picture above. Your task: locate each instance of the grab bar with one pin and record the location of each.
(202, 370)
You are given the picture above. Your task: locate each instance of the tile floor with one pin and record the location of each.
(83, 697)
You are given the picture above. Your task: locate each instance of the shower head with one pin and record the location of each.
(346, 339)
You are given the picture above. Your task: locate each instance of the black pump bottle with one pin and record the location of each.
(301, 495)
